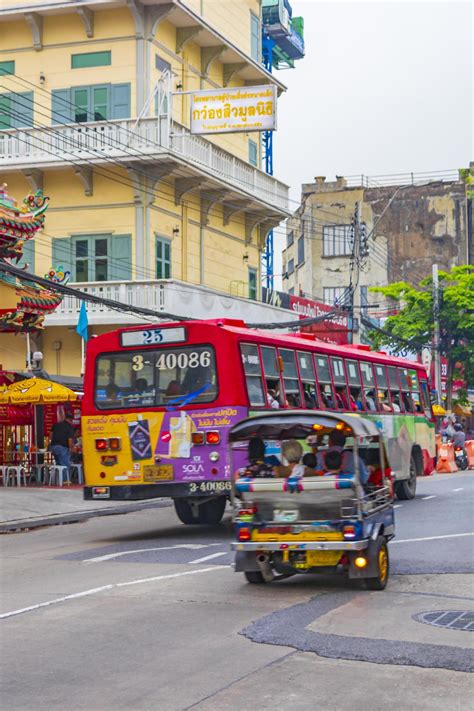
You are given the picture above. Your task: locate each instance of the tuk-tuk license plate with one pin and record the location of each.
(157, 472)
(314, 558)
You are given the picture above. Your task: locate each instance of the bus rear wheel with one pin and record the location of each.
(208, 513)
(407, 489)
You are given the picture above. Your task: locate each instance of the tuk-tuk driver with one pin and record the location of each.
(337, 442)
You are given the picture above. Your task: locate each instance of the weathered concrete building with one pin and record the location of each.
(409, 227)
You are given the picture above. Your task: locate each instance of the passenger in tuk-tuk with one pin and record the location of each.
(337, 443)
(257, 466)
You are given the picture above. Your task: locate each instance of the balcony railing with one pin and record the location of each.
(149, 141)
(163, 295)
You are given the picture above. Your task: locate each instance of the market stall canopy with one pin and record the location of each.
(35, 391)
(462, 410)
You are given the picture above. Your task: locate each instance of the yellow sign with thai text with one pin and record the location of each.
(232, 110)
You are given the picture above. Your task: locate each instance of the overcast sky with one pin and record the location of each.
(385, 87)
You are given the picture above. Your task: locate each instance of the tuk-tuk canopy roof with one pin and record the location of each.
(298, 424)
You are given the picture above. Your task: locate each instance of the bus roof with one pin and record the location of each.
(297, 340)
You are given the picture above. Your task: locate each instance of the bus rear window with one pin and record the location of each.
(155, 378)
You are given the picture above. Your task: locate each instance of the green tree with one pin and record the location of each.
(413, 324)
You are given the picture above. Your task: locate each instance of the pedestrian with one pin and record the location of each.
(62, 439)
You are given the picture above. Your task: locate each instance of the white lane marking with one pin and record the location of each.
(460, 489)
(397, 506)
(425, 498)
(432, 538)
(119, 554)
(206, 557)
(172, 575)
(94, 591)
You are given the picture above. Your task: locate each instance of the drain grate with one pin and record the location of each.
(450, 619)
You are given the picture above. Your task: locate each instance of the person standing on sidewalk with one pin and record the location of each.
(62, 438)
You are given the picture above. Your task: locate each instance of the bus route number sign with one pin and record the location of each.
(153, 337)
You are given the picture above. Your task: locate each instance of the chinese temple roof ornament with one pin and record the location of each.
(23, 305)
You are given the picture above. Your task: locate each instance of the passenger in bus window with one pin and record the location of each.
(272, 400)
(310, 398)
(396, 402)
(383, 400)
(369, 398)
(356, 395)
(407, 401)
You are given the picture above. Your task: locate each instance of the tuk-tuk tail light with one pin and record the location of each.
(349, 532)
(244, 533)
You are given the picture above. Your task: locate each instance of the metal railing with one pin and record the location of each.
(380, 181)
(102, 141)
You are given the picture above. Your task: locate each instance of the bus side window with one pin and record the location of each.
(339, 376)
(324, 380)
(353, 378)
(425, 398)
(415, 391)
(271, 371)
(383, 391)
(290, 378)
(308, 380)
(405, 380)
(253, 374)
(395, 389)
(369, 386)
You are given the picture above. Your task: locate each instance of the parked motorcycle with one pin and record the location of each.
(460, 457)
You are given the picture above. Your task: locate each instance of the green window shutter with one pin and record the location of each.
(253, 153)
(254, 37)
(5, 112)
(62, 255)
(28, 256)
(120, 268)
(7, 67)
(120, 102)
(22, 109)
(91, 59)
(61, 106)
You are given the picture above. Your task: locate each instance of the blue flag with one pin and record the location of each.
(83, 323)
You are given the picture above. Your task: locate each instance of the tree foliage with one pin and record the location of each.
(413, 324)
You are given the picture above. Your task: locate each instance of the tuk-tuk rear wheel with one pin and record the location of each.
(383, 567)
(255, 577)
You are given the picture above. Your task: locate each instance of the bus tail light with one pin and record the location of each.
(101, 444)
(244, 533)
(115, 443)
(197, 438)
(101, 492)
(213, 437)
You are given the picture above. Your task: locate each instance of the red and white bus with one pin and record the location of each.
(159, 401)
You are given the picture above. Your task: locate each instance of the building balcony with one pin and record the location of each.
(195, 162)
(165, 295)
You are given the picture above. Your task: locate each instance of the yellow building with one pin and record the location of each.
(94, 110)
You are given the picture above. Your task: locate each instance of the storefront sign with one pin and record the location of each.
(233, 110)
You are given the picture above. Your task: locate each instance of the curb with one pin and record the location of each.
(77, 516)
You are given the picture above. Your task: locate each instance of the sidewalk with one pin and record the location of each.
(29, 507)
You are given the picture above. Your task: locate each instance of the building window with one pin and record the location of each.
(290, 238)
(337, 240)
(161, 97)
(7, 67)
(91, 255)
(301, 250)
(16, 110)
(253, 152)
(336, 295)
(97, 102)
(91, 59)
(254, 37)
(252, 284)
(291, 266)
(163, 258)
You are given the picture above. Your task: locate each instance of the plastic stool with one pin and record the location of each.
(77, 469)
(58, 475)
(16, 472)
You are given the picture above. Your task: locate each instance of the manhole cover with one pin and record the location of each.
(451, 619)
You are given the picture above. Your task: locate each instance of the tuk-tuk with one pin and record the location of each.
(314, 521)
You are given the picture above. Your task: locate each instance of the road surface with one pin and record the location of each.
(141, 612)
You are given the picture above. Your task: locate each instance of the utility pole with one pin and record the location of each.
(354, 292)
(436, 336)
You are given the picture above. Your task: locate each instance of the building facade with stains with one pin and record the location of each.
(407, 227)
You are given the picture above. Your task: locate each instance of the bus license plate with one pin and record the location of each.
(209, 487)
(158, 472)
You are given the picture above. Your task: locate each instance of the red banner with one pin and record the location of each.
(334, 330)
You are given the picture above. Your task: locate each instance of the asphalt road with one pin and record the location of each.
(141, 612)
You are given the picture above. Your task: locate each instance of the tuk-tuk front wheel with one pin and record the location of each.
(382, 565)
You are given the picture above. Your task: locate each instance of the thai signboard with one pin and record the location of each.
(232, 110)
(334, 330)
